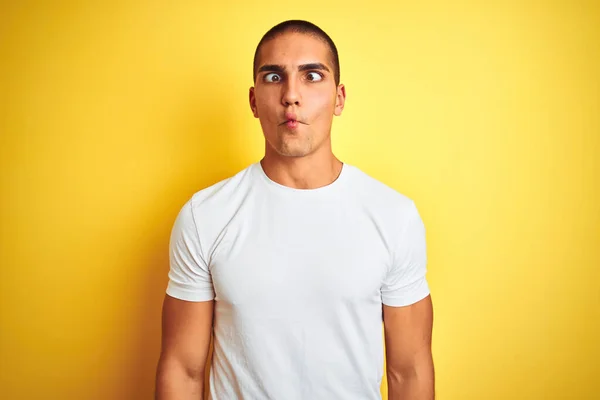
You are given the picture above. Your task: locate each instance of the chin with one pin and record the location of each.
(292, 148)
(287, 152)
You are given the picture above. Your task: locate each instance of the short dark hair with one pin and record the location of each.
(305, 27)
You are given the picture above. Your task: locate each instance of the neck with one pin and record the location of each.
(308, 172)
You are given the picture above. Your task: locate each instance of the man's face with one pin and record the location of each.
(295, 95)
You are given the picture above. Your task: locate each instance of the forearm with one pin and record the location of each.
(411, 383)
(173, 382)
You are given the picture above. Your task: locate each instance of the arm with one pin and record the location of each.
(187, 314)
(186, 333)
(410, 371)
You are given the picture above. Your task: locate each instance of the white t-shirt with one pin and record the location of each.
(298, 278)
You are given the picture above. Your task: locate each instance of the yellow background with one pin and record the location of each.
(486, 114)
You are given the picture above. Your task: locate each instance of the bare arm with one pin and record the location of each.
(410, 371)
(186, 333)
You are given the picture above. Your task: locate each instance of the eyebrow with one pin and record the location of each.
(304, 67)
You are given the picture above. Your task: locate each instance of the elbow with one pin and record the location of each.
(175, 380)
(400, 374)
(169, 367)
(418, 371)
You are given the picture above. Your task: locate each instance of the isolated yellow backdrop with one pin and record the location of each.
(486, 114)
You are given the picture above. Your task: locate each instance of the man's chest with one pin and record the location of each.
(290, 263)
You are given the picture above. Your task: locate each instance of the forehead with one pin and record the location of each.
(294, 49)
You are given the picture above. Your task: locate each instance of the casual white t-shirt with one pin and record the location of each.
(299, 277)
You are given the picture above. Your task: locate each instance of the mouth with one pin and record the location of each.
(292, 123)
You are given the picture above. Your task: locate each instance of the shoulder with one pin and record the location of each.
(224, 192)
(209, 205)
(376, 195)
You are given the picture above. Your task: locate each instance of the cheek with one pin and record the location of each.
(323, 105)
(266, 108)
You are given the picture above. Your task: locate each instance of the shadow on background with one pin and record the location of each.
(213, 164)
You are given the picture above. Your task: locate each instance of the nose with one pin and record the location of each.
(291, 93)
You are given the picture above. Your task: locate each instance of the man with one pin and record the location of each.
(298, 257)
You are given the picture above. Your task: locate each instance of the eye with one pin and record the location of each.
(314, 77)
(272, 77)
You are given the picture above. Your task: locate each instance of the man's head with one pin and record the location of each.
(306, 28)
(297, 90)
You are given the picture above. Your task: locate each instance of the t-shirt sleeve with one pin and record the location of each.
(189, 275)
(405, 282)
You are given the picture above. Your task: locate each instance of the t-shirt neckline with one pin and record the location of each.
(307, 192)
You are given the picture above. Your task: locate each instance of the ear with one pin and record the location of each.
(340, 100)
(252, 99)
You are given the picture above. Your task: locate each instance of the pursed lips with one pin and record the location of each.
(291, 120)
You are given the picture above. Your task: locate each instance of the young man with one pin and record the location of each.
(298, 258)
